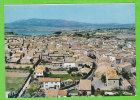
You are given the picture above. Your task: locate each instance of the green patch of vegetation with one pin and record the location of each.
(73, 69)
(121, 92)
(14, 83)
(125, 75)
(46, 72)
(23, 70)
(73, 91)
(97, 93)
(65, 76)
(34, 87)
(103, 78)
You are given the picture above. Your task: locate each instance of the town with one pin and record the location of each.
(71, 63)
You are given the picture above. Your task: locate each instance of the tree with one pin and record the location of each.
(30, 91)
(102, 92)
(72, 69)
(46, 72)
(120, 93)
(58, 33)
(12, 89)
(120, 46)
(98, 89)
(44, 62)
(86, 65)
(27, 68)
(103, 78)
(125, 75)
(31, 70)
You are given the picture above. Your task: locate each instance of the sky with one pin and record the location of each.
(89, 13)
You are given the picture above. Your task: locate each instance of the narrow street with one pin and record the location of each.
(27, 82)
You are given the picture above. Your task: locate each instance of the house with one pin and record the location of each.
(126, 84)
(36, 57)
(69, 64)
(133, 70)
(56, 93)
(26, 60)
(39, 71)
(48, 83)
(31, 52)
(14, 60)
(112, 78)
(8, 54)
(124, 66)
(56, 56)
(45, 56)
(19, 55)
(84, 60)
(14, 44)
(90, 53)
(84, 88)
(57, 63)
(118, 60)
(52, 93)
(62, 93)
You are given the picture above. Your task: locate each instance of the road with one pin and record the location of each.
(27, 82)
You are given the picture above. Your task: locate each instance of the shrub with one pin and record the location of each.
(103, 78)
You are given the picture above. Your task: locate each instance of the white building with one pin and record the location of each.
(69, 64)
(112, 78)
(39, 71)
(84, 88)
(49, 83)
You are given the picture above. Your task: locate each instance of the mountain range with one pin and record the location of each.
(41, 24)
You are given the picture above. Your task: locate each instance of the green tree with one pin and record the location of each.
(125, 75)
(102, 92)
(27, 68)
(46, 72)
(103, 78)
(120, 46)
(30, 70)
(58, 33)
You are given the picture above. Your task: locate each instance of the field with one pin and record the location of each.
(65, 76)
(14, 80)
(16, 74)
(14, 83)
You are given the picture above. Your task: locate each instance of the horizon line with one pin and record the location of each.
(67, 20)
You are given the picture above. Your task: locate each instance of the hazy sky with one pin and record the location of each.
(90, 13)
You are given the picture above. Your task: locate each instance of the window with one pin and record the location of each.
(55, 82)
(114, 81)
(51, 82)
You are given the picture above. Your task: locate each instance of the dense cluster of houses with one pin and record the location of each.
(113, 56)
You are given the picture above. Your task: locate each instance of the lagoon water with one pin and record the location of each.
(35, 33)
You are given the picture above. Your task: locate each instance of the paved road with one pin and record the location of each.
(24, 87)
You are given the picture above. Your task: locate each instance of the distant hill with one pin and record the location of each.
(32, 24)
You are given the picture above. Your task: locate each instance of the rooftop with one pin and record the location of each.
(55, 92)
(52, 93)
(84, 85)
(49, 79)
(111, 74)
(39, 69)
